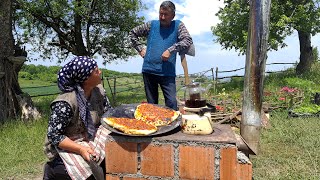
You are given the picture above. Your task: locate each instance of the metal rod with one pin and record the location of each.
(258, 33)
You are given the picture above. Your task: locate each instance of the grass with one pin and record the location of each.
(41, 90)
(289, 149)
(33, 83)
(21, 147)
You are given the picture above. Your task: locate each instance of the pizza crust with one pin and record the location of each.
(176, 115)
(132, 126)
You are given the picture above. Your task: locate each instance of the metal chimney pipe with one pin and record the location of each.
(258, 33)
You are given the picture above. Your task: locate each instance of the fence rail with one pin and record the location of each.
(124, 84)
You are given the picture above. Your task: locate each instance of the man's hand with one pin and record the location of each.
(165, 55)
(142, 53)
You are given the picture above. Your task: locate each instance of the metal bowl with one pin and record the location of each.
(127, 111)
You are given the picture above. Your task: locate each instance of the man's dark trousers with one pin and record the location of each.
(168, 87)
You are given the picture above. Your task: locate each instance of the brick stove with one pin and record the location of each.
(177, 156)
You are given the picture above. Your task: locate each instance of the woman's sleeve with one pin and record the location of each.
(106, 103)
(60, 117)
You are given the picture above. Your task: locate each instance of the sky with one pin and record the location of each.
(199, 17)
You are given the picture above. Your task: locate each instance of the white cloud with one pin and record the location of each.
(198, 15)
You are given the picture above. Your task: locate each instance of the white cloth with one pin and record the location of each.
(77, 167)
(190, 51)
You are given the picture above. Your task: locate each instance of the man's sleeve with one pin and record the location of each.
(191, 51)
(136, 33)
(184, 40)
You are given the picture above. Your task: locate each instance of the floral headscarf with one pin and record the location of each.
(70, 78)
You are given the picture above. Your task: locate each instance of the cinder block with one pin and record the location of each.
(157, 160)
(121, 157)
(196, 162)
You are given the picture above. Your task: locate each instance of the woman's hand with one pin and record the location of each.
(85, 152)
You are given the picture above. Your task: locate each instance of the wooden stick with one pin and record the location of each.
(229, 117)
(185, 69)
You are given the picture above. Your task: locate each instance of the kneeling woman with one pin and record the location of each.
(74, 131)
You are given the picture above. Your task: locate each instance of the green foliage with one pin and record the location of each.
(36, 69)
(39, 72)
(278, 79)
(305, 87)
(235, 84)
(232, 32)
(25, 75)
(49, 74)
(313, 74)
(307, 108)
(60, 28)
(286, 16)
(110, 73)
(315, 53)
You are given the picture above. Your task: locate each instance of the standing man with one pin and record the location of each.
(165, 37)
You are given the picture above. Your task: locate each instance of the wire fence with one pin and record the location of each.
(116, 85)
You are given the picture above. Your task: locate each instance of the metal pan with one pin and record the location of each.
(127, 111)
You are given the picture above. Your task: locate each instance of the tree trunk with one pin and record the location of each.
(13, 103)
(79, 45)
(9, 106)
(306, 56)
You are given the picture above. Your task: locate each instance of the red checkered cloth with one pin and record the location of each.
(76, 166)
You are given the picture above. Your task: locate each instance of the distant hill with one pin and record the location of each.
(49, 73)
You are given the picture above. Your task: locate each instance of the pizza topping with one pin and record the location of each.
(131, 126)
(155, 115)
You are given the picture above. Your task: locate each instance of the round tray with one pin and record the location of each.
(127, 111)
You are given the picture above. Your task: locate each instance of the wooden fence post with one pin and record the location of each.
(102, 79)
(216, 82)
(213, 80)
(114, 90)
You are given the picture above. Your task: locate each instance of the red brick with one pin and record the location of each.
(110, 177)
(228, 163)
(157, 160)
(196, 162)
(133, 178)
(244, 171)
(121, 157)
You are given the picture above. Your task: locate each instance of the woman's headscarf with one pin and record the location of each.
(70, 78)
